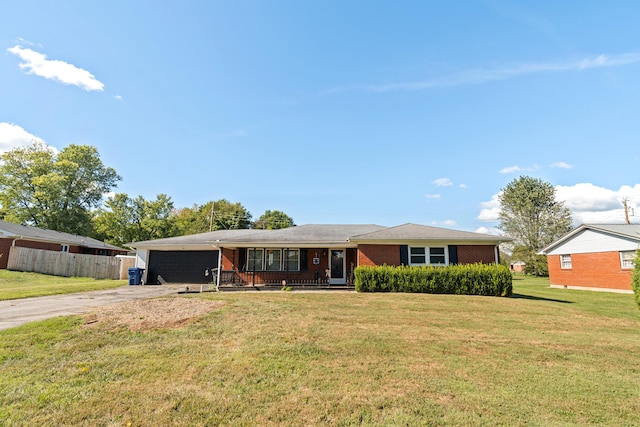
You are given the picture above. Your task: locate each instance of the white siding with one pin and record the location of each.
(588, 241)
(142, 255)
(141, 258)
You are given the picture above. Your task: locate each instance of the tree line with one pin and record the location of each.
(63, 191)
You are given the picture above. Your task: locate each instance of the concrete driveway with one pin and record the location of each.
(19, 311)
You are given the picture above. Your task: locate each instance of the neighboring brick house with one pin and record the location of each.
(310, 254)
(12, 234)
(595, 257)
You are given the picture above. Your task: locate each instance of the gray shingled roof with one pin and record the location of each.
(306, 234)
(625, 230)
(319, 234)
(200, 239)
(12, 230)
(410, 231)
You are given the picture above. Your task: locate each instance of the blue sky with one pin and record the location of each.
(379, 112)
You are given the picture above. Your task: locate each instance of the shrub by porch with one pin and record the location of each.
(471, 279)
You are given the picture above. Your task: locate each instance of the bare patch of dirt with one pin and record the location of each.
(160, 313)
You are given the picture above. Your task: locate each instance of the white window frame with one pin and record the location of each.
(426, 255)
(566, 263)
(64, 248)
(261, 259)
(269, 265)
(627, 259)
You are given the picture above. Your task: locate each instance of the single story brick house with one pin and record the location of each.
(594, 257)
(12, 234)
(308, 254)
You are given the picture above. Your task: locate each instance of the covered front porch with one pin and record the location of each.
(294, 267)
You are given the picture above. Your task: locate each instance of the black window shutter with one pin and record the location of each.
(304, 266)
(404, 255)
(453, 254)
(242, 258)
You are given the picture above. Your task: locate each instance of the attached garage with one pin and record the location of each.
(181, 266)
(182, 259)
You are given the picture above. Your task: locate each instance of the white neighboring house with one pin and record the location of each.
(595, 257)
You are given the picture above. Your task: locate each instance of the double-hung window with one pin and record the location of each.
(565, 262)
(627, 259)
(291, 260)
(272, 259)
(417, 256)
(436, 255)
(254, 259)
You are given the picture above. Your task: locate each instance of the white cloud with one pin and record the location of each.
(516, 169)
(446, 222)
(118, 97)
(592, 204)
(432, 196)
(462, 186)
(479, 76)
(443, 182)
(13, 136)
(585, 197)
(490, 210)
(489, 230)
(511, 169)
(60, 71)
(561, 165)
(588, 204)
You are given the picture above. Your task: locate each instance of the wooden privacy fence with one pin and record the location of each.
(68, 265)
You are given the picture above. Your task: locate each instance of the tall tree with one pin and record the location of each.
(214, 215)
(123, 219)
(273, 220)
(55, 191)
(533, 218)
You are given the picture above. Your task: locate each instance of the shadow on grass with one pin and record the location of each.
(521, 296)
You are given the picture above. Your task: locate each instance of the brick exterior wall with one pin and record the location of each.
(592, 270)
(309, 273)
(6, 243)
(469, 254)
(378, 254)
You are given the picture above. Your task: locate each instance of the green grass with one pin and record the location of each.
(543, 357)
(15, 285)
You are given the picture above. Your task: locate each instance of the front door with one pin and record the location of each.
(337, 267)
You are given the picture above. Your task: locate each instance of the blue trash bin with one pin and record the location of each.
(135, 276)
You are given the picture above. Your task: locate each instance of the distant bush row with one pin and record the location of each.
(635, 278)
(470, 279)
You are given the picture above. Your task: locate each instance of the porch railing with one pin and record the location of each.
(252, 278)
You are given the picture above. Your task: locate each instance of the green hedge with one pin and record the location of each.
(635, 278)
(470, 279)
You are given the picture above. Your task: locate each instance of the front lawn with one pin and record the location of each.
(14, 284)
(542, 357)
